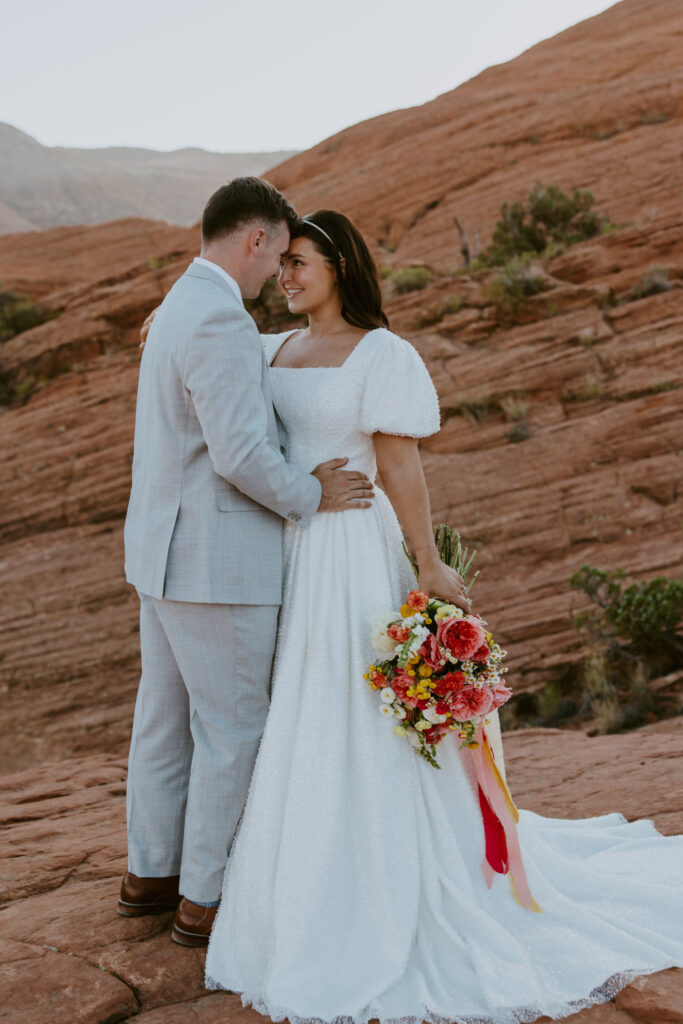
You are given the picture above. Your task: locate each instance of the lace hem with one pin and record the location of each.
(519, 1015)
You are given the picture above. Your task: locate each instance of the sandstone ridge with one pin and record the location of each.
(562, 423)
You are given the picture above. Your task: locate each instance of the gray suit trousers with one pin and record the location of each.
(199, 717)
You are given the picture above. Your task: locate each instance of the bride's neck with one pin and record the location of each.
(326, 321)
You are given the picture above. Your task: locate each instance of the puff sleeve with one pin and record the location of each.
(272, 343)
(398, 395)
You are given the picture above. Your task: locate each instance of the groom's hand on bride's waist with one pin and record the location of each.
(342, 488)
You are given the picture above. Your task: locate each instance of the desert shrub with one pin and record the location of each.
(18, 313)
(411, 279)
(515, 283)
(514, 407)
(647, 613)
(549, 219)
(653, 283)
(451, 304)
(474, 407)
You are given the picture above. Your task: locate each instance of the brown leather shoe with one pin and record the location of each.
(140, 896)
(192, 923)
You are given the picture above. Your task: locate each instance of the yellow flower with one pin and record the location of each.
(406, 611)
(425, 671)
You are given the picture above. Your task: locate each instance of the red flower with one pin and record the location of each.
(398, 633)
(482, 653)
(430, 652)
(450, 683)
(472, 702)
(462, 637)
(417, 600)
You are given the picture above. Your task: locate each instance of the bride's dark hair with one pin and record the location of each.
(336, 238)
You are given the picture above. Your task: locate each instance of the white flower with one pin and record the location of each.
(399, 712)
(419, 635)
(433, 716)
(387, 695)
(422, 725)
(445, 612)
(386, 710)
(380, 622)
(383, 644)
(400, 730)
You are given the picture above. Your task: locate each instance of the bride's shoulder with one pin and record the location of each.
(385, 345)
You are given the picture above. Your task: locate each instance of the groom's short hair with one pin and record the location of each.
(244, 200)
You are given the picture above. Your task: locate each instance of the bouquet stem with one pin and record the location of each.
(449, 545)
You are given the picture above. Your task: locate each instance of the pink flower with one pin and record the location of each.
(417, 600)
(481, 653)
(462, 637)
(472, 702)
(500, 694)
(430, 652)
(401, 682)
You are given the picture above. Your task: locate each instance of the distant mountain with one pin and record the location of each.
(44, 187)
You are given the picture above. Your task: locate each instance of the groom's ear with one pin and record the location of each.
(256, 239)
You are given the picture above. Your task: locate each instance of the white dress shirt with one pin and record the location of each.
(214, 266)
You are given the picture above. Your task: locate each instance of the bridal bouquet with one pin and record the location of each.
(441, 670)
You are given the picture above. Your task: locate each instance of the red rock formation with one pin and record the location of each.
(599, 373)
(67, 956)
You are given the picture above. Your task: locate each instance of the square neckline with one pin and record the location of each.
(340, 366)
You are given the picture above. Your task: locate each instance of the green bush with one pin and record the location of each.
(550, 218)
(515, 284)
(411, 279)
(18, 313)
(647, 613)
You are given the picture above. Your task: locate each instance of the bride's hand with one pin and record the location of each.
(144, 330)
(438, 580)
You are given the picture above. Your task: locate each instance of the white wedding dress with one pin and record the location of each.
(354, 888)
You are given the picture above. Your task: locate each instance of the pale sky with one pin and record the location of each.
(245, 75)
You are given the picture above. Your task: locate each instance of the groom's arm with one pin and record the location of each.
(222, 371)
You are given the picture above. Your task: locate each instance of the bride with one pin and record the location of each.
(354, 888)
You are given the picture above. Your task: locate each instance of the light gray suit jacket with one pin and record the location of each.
(210, 482)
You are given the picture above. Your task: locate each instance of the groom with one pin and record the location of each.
(203, 537)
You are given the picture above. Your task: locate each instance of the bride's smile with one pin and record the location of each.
(307, 279)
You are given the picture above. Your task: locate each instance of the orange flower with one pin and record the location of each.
(417, 600)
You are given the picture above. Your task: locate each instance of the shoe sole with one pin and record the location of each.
(184, 938)
(144, 909)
